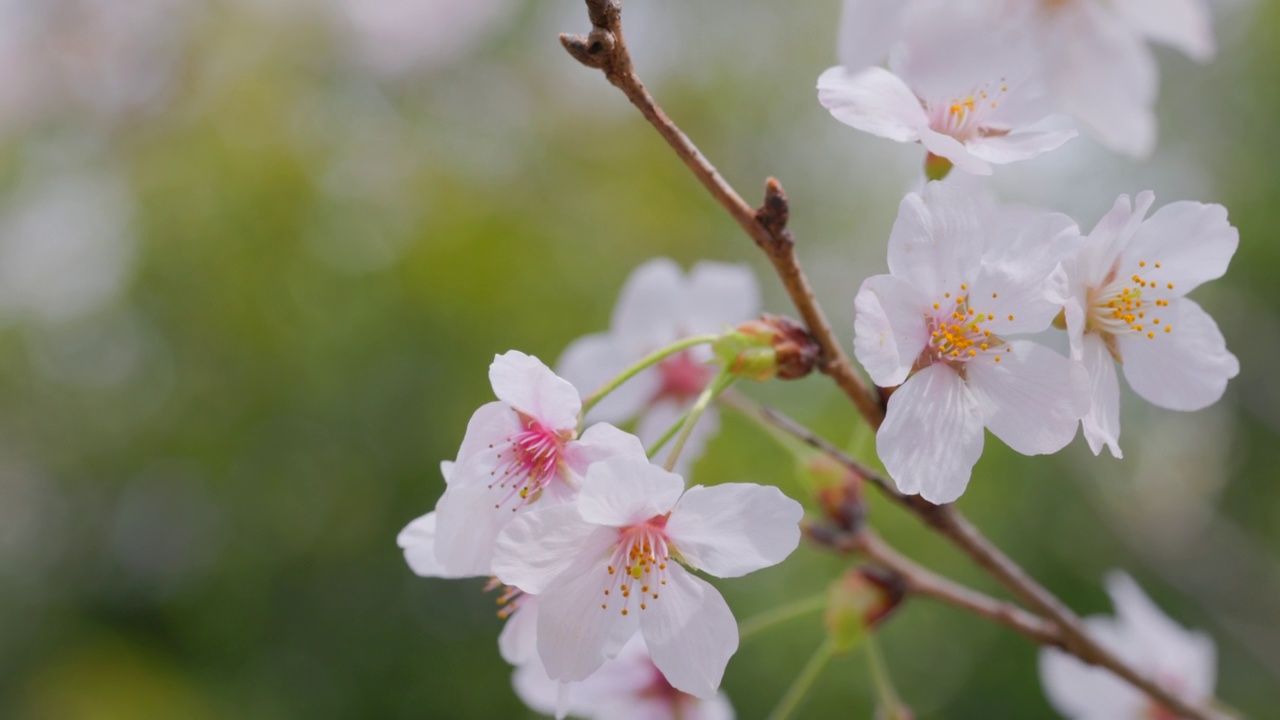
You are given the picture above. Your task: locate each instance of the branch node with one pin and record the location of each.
(775, 212)
(592, 50)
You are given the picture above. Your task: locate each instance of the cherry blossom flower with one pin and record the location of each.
(628, 687)
(1181, 661)
(613, 563)
(1123, 296)
(939, 325)
(519, 451)
(971, 102)
(659, 305)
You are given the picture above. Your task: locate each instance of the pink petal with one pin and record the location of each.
(591, 361)
(937, 241)
(932, 435)
(601, 442)
(1102, 424)
(467, 525)
(889, 328)
(1087, 692)
(518, 641)
(1169, 651)
(539, 545)
(491, 424)
(1184, 369)
(1193, 242)
(690, 632)
(575, 633)
(874, 101)
(649, 307)
(736, 528)
(718, 295)
(1003, 149)
(418, 540)
(527, 385)
(623, 491)
(1032, 399)
(952, 149)
(1183, 24)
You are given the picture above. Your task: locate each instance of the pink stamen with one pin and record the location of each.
(638, 565)
(528, 462)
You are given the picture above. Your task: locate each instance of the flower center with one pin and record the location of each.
(1129, 305)
(683, 378)
(964, 116)
(528, 462)
(959, 333)
(638, 565)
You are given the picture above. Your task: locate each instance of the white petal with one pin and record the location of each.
(1003, 149)
(518, 641)
(575, 634)
(1184, 369)
(1105, 76)
(946, 146)
(932, 435)
(736, 528)
(1193, 242)
(491, 424)
(623, 491)
(601, 442)
(418, 540)
(889, 328)
(874, 101)
(1111, 237)
(937, 241)
(716, 708)
(690, 632)
(1184, 24)
(648, 310)
(719, 295)
(591, 361)
(659, 418)
(537, 546)
(1032, 399)
(1102, 424)
(867, 29)
(534, 687)
(527, 385)
(1086, 692)
(446, 469)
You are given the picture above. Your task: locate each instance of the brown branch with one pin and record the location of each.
(922, 581)
(605, 48)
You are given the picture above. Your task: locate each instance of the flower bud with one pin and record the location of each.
(859, 601)
(772, 346)
(839, 493)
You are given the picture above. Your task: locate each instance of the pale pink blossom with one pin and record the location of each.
(518, 451)
(1123, 295)
(658, 305)
(613, 563)
(628, 687)
(960, 84)
(961, 283)
(1182, 661)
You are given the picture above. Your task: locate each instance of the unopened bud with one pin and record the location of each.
(839, 493)
(772, 346)
(860, 600)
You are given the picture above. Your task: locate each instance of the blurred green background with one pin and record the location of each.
(255, 257)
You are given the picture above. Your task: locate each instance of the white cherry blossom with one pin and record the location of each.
(961, 282)
(613, 563)
(1123, 297)
(1181, 661)
(518, 451)
(628, 687)
(659, 305)
(961, 84)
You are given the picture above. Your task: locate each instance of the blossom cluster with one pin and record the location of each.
(590, 528)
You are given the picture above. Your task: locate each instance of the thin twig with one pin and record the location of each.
(605, 48)
(922, 581)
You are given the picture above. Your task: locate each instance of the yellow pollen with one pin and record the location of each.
(1142, 263)
(972, 352)
(946, 294)
(1168, 328)
(624, 611)
(984, 346)
(643, 606)
(935, 306)
(1170, 286)
(1157, 264)
(1153, 322)
(610, 569)
(963, 286)
(604, 606)
(997, 358)
(970, 311)
(1151, 335)
(1010, 318)
(959, 301)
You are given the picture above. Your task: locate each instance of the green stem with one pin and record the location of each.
(642, 364)
(803, 683)
(717, 385)
(885, 691)
(782, 613)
